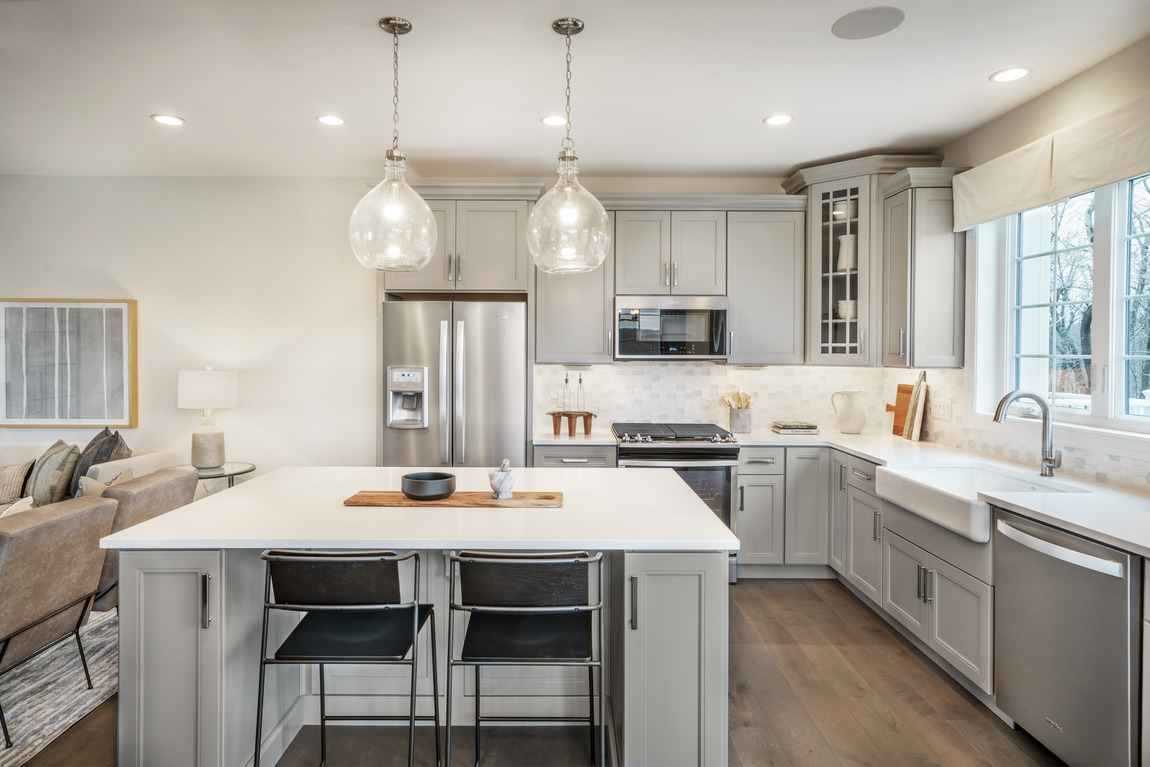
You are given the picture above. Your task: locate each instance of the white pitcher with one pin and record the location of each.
(849, 417)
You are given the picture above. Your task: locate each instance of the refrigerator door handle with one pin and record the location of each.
(445, 439)
(460, 391)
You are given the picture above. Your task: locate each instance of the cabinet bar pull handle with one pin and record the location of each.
(610, 344)
(768, 461)
(450, 273)
(862, 342)
(877, 525)
(860, 475)
(901, 341)
(927, 590)
(205, 618)
(675, 273)
(634, 602)
(741, 489)
(731, 345)
(573, 460)
(918, 581)
(666, 274)
(842, 476)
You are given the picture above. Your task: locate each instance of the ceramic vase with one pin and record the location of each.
(849, 415)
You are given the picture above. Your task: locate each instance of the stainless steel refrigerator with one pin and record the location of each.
(454, 383)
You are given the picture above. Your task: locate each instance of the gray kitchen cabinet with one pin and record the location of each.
(575, 456)
(674, 616)
(766, 262)
(481, 246)
(844, 275)
(864, 531)
(807, 506)
(950, 610)
(177, 717)
(760, 510)
(924, 271)
(660, 252)
(837, 550)
(573, 315)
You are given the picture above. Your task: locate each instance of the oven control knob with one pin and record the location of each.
(645, 439)
(625, 438)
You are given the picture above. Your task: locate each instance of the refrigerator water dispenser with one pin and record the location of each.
(407, 397)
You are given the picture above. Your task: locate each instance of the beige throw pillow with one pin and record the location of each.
(24, 504)
(12, 481)
(94, 488)
(52, 474)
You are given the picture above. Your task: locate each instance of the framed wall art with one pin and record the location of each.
(68, 363)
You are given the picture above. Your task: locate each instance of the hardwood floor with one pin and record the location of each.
(816, 678)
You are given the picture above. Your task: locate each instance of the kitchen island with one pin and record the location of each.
(192, 587)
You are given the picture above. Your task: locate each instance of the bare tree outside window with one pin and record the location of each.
(1137, 351)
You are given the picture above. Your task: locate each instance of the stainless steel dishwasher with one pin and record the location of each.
(1067, 640)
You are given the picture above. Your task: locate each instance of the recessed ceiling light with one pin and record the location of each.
(553, 120)
(777, 119)
(1013, 73)
(169, 120)
(868, 22)
(330, 119)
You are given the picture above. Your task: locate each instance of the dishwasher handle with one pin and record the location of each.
(1097, 564)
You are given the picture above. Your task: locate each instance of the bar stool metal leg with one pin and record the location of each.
(322, 721)
(478, 696)
(435, 690)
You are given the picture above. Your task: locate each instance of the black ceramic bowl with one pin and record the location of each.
(428, 485)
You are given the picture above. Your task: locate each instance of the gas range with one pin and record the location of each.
(655, 435)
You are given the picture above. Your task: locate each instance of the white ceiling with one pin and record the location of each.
(670, 88)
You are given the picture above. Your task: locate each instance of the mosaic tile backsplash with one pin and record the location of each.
(691, 391)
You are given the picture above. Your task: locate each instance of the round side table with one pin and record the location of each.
(230, 470)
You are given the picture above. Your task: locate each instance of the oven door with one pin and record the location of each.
(713, 480)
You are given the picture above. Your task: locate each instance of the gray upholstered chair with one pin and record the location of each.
(50, 560)
(139, 500)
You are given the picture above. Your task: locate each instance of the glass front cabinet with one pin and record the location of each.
(840, 272)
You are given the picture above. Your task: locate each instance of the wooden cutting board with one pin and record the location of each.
(460, 499)
(900, 406)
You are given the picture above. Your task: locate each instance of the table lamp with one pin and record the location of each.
(207, 390)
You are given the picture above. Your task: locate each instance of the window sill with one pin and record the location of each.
(1069, 435)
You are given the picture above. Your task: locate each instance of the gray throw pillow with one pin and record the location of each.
(105, 446)
(12, 480)
(52, 474)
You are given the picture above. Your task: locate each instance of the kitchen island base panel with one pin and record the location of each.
(190, 637)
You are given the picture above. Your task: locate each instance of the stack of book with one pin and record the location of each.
(794, 427)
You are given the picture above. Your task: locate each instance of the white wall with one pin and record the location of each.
(254, 275)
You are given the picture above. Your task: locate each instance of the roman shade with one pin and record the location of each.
(1100, 150)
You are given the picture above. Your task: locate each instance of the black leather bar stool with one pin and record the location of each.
(354, 614)
(533, 609)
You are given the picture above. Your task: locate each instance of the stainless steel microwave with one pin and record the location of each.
(671, 327)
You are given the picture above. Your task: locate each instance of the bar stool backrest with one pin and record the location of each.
(549, 579)
(333, 578)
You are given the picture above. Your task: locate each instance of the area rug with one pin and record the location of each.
(48, 694)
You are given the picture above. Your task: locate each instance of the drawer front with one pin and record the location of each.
(762, 460)
(584, 456)
(860, 474)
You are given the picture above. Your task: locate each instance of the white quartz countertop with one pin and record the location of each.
(598, 436)
(1112, 516)
(603, 509)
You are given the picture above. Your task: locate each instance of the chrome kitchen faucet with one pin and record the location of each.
(1051, 458)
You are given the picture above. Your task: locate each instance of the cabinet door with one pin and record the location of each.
(642, 252)
(674, 659)
(699, 253)
(573, 315)
(170, 659)
(808, 506)
(759, 521)
(961, 622)
(838, 210)
(491, 245)
(938, 282)
(864, 542)
(896, 255)
(905, 567)
(439, 274)
(837, 552)
(766, 258)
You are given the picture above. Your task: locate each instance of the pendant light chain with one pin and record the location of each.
(395, 91)
(567, 142)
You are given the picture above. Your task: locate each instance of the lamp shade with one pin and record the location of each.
(207, 389)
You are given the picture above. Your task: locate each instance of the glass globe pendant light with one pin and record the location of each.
(568, 230)
(392, 228)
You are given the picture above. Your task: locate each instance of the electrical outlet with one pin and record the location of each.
(940, 409)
